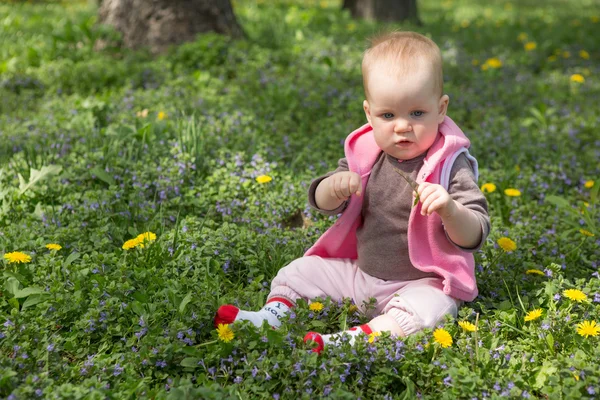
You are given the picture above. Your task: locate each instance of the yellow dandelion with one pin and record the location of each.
(575, 295)
(586, 233)
(494, 63)
(511, 192)
(467, 326)
(530, 46)
(588, 328)
(522, 37)
(131, 243)
(142, 114)
(577, 78)
(162, 115)
(584, 54)
(373, 335)
(263, 179)
(533, 315)
(507, 244)
(552, 58)
(145, 237)
(588, 184)
(488, 187)
(442, 337)
(53, 246)
(352, 309)
(566, 54)
(315, 306)
(17, 257)
(225, 333)
(534, 272)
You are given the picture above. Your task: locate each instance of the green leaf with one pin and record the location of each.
(558, 201)
(17, 276)
(12, 285)
(19, 294)
(184, 302)
(547, 370)
(36, 176)
(550, 341)
(102, 175)
(191, 362)
(35, 299)
(72, 257)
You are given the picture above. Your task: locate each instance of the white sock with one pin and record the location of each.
(336, 338)
(272, 312)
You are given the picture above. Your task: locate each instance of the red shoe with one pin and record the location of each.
(226, 314)
(315, 337)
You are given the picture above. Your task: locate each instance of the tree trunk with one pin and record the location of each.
(157, 24)
(383, 10)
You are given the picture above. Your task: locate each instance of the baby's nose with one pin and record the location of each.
(402, 125)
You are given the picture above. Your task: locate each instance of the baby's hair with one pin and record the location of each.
(402, 52)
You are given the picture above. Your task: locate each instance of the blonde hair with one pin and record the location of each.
(403, 52)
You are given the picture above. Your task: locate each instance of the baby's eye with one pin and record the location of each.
(418, 113)
(388, 115)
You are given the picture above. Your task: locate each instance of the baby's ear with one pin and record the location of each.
(367, 110)
(443, 108)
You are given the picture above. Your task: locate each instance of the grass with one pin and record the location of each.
(97, 148)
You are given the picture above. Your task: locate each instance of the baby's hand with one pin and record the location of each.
(435, 198)
(342, 185)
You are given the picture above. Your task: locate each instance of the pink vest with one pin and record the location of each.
(429, 249)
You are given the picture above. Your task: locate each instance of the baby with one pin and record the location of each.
(414, 257)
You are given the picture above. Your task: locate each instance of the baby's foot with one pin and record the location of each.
(272, 312)
(335, 338)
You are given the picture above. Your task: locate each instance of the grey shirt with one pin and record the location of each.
(383, 236)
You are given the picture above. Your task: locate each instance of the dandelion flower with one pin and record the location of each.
(493, 63)
(588, 328)
(352, 309)
(17, 257)
(575, 295)
(529, 46)
(566, 54)
(522, 37)
(507, 244)
(131, 243)
(488, 187)
(145, 237)
(225, 333)
(588, 184)
(315, 306)
(53, 246)
(534, 272)
(584, 54)
(442, 337)
(467, 326)
(586, 233)
(162, 115)
(577, 78)
(373, 335)
(512, 192)
(533, 315)
(263, 179)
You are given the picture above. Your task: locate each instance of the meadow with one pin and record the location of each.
(139, 193)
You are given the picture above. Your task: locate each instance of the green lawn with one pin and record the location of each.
(97, 148)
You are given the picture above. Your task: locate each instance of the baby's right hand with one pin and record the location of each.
(344, 184)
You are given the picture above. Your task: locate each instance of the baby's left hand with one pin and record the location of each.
(435, 198)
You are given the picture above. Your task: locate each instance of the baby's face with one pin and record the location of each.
(404, 111)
